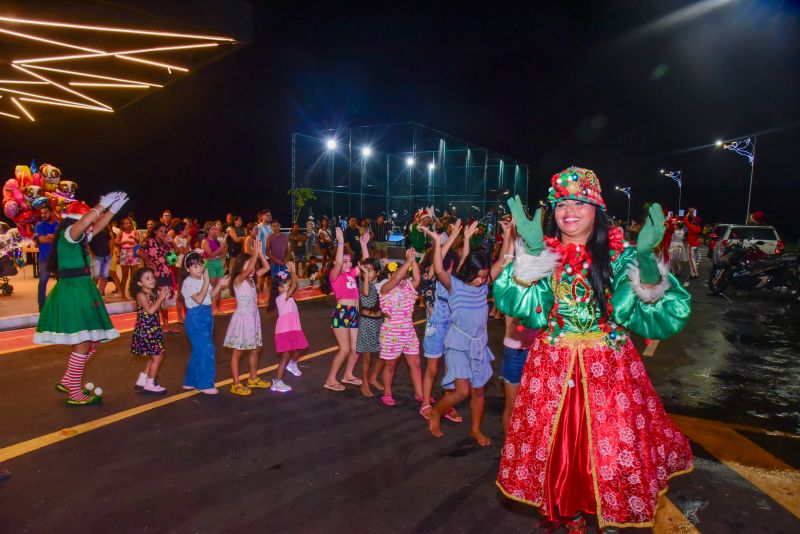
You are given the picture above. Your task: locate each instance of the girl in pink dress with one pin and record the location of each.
(290, 340)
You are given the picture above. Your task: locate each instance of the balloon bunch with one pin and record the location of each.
(11, 243)
(30, 190)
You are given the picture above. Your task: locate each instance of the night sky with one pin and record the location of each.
(624, 88)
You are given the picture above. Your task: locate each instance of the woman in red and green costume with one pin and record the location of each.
(588, 434)
(74, 312)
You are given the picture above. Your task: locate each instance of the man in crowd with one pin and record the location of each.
(417, 239)
(45, 234)
(380, 236)
(352, 241)
(264, 226)
(276, 249)
(166, 218)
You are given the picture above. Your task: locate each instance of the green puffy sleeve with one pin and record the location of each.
(652, 312)
(523, 288)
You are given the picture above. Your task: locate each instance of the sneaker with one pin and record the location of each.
(292, 368)
(258, 383)
(238, 389)
(280, 386)
(140, 382)
(153, 387)
(210, 391)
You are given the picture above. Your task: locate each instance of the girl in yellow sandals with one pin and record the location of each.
(244, 330)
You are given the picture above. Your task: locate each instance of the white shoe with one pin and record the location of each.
(140, 382)
(280, 386)
(292, 368)
(210, 391)
(153, 387)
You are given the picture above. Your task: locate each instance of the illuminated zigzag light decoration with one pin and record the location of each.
(9, 26)
(675, 175)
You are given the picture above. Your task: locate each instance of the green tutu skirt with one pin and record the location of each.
(74, 312)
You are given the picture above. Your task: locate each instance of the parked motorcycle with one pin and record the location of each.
(748, 268)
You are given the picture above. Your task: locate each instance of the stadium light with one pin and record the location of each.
(331, 144)
(410, 162)
(431, 166)
(366, 151)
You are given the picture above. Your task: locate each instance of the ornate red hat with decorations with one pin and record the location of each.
(75, 210)
(575, 183)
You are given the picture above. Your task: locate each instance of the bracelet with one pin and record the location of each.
(96, 211)
(339, 244)
(508, 255)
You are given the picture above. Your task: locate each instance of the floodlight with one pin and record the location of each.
(410, 162)
(366, 151)
(431, 166)
(331, 144)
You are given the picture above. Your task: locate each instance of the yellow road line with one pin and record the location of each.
(669, 519)
(768, 473)
(650, 349)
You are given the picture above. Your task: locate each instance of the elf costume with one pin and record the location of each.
(588, 434)
(74, 312)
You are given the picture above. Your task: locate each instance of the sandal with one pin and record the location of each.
(423, 409)
(453, 416)
(352, 381)
(238, 389)
(334, 387)
(259, 383)
(388, 400)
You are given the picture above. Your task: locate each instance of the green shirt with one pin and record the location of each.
(416, 239)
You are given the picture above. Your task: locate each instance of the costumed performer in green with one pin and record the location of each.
(74, 312)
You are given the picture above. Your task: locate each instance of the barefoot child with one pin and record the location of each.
(290, 340)
(244, 330)
(467, 357)
(398, 337)
(148, 340)
(368, 343)
(198, 294)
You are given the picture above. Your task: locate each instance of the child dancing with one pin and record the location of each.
(368, 343)
(398, 337)
(290, 340)
(148, 340)
(244, 330)
(467, 356)
(198, 294)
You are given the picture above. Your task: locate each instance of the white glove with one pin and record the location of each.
(108, 199)
(118, 203)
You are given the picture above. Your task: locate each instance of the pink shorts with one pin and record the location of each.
(398, 340)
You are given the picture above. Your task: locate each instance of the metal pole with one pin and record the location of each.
(750, 189)
(680, 190)
(294, 140)
(629, 207)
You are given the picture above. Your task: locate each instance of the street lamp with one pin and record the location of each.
(678, 177)
(627, 192)
(747, 148)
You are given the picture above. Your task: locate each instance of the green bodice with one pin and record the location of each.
(71, 255)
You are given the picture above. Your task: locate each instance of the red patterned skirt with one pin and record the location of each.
(589, 434)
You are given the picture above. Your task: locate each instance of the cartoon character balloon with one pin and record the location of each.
(51, 175)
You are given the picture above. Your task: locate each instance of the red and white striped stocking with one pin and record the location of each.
(73, 378)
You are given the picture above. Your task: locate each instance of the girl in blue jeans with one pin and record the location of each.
(197, 293)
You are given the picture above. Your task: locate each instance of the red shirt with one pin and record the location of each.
(692, 232)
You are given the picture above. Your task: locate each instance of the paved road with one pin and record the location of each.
(317, 461)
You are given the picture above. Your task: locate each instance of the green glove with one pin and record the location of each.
(529, 230)
(649, 238)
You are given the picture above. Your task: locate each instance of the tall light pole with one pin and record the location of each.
(678, 177)
(747, 148)
(627, 192)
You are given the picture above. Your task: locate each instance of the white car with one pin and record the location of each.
(764, 237)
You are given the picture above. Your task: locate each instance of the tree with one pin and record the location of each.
(300, 197)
